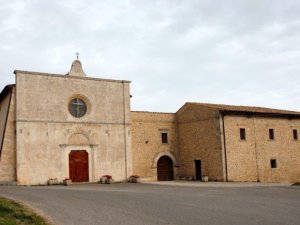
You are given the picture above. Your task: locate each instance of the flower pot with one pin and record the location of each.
(103, 179)
(67, 182)
(53, 181)
(109, 181)
(205, 178)
(134, 180)
(138, 180)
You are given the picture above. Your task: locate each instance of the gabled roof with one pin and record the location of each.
(66, 76)
(245, 109)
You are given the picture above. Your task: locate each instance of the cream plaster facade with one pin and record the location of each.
(46, 132)
(38, 134)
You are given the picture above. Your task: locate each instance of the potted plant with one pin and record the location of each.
(134, 179)
(106, 179)
(102, 179)
(67, 181)
(109, 179)
(52, 181)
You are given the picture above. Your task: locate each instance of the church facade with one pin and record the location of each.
(73, 126)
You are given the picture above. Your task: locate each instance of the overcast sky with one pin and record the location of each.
(230, 52)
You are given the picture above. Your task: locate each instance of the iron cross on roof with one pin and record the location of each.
(77, 55)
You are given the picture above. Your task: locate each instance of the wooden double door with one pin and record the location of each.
(165, 169)
(79, 166)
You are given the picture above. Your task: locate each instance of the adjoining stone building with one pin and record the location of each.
(223, 142)
(72, 126)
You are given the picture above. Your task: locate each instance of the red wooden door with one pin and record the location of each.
(165, 169)
(79, 166)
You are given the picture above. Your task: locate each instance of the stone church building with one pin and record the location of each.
(77, 127)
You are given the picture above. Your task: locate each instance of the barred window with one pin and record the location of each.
(273, 163)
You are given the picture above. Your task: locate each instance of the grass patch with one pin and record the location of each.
(13, 213)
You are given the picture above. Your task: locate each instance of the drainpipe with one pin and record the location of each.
(125, 140)
(255, 146)
(225, 152)
(178, 140)
(178, 144)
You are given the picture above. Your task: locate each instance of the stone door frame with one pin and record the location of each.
(157, 157)
(81, 156)
(90, 149)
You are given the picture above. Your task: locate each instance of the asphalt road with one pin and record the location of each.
(149, 204)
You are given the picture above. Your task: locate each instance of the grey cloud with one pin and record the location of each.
(234, 52)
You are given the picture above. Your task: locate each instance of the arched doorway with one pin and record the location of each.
(165, 169)
(79, 166)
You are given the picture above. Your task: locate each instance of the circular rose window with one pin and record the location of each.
(77, 107)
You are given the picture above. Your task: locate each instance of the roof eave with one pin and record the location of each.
(261, 114)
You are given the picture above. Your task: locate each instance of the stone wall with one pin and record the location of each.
(147, 146)
(249, 160)
(45, 128)
(122, 143)
(200, 139)
(8, 153)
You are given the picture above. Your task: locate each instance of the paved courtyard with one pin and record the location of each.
(139, 204)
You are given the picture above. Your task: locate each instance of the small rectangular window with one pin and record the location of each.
(271, 134)
(242, 133)
(164, 137)
(273, 163)
(295, 134)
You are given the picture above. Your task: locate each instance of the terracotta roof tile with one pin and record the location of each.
(251, 109)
